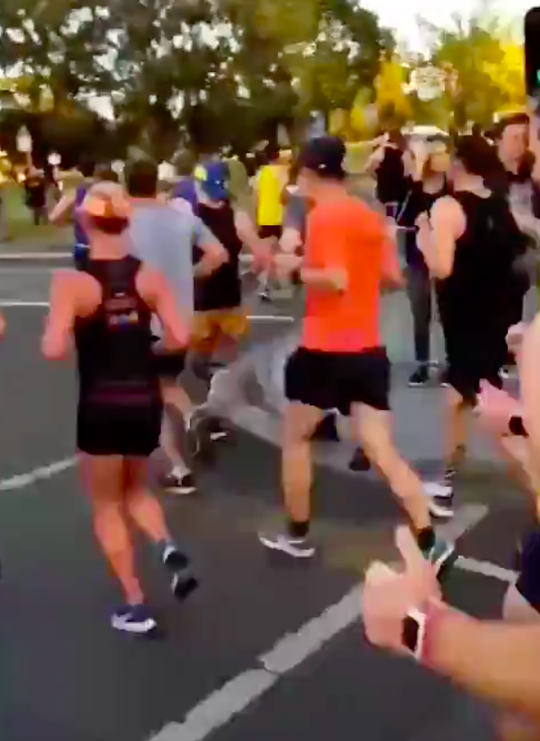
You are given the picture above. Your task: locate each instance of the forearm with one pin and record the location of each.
(207, 265)
(320, 278)
(498, 661)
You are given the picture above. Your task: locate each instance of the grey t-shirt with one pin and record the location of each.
(163, 237)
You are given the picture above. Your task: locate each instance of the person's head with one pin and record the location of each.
(473, 156)
(211, 181)
(272, 154)
(106, 173)
(512, 134)
(105, 210)
(438, 160)
(87, 167)
(320, 165)
(142, 179)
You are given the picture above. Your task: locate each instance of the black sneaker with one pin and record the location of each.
(420, 377)
(179, 484)
(183, 581)
(359, 462)
(217, 430)
(134, 619)
(285, 543)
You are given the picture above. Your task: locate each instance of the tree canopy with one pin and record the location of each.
(204, 72)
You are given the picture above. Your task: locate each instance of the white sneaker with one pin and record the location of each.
(440, 497)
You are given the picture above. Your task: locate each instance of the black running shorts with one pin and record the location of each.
(528, 583)
(473, 357)
(170, 365)
(119, 430)
(332, 380)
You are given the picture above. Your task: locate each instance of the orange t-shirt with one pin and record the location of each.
(345, 234)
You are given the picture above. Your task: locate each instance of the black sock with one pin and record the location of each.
(454, 463)
(298, 529)
(425, 538)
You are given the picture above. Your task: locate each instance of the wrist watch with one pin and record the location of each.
(413, 633)
(417, 628)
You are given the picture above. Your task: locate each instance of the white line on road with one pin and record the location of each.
(13, 303)
(292, 649)
(31, 256)
(485, 568)
(37, 474)
(263, 318)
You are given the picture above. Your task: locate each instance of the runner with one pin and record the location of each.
(220, 321)
(427, 183)
(67, 206)
(270, 183)
(340, 362)
(106, 308)
(470, 243)
(164, 237)
(386, 163)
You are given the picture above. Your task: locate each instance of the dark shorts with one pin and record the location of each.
(528, 583)
(472, 358)
(331, 380)
(169, 366)
(127, 431)
(265, 232)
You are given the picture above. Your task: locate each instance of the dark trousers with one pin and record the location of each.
(419, 292)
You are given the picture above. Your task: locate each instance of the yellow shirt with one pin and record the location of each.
(271, 181)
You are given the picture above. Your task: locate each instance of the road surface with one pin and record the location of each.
(266, 650)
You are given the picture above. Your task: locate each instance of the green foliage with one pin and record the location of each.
(203, 72)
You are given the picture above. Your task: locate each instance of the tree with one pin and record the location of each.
(393, 105)
(488, 66)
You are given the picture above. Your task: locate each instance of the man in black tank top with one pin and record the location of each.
(220, 320)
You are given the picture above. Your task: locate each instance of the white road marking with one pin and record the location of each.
(34, 256)
(271, 318)
(219, 708)
(37, 474)
(485, 568)
(18, 270)
(13, 303)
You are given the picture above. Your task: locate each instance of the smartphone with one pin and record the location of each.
(532, 58)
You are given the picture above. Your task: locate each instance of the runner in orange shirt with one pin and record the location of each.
(341, 363)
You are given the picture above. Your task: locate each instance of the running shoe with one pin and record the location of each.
(198, 432)
(420, 377)
(441, 496)
(217, 430)
(285, 543)
(359, 461)
(179, 483)
(183, 581)
(443, 379)
(442, 556)
(134, 619)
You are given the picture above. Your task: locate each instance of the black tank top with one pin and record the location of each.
(476, 291)
(222, 289)
(390, 177)
(114, 344)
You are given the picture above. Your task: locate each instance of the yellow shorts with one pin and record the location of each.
(209, 327)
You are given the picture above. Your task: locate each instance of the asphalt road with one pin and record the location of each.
(66, 676)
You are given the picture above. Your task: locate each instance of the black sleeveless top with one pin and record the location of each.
(114, 344)
(475, 294)
(390, 177)
(222, 289)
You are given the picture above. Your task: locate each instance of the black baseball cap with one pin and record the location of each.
(325, 156)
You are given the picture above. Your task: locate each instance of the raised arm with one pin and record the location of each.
(63, 209)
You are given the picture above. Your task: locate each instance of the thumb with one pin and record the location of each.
(409, 550)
